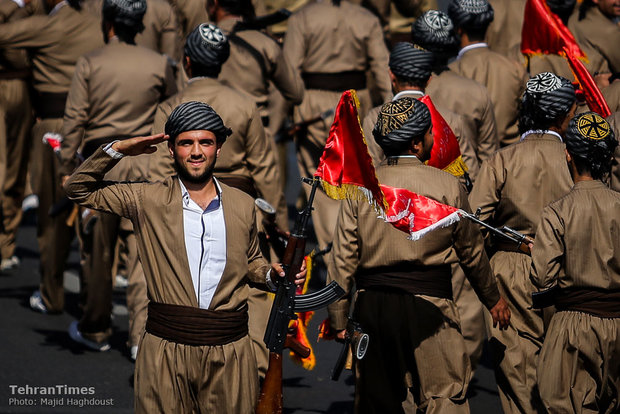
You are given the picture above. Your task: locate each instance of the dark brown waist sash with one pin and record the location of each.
(240, 182)
(15, 74)
(598, 302)
(418, 280)
(195, 326)
(337, 82)
(50, 105)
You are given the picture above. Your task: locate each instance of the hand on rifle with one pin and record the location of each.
(501, 314)
(300, 278)
(139, 145)
(341, 335)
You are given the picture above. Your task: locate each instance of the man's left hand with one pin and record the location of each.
(300, 278)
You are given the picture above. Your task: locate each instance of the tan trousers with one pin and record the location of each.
(309, 150)
(579, 365)
(259, 307)
(415, 345)
(177, 378)
(515, 350)
(53, 233)
(471, 315)
(15, 126)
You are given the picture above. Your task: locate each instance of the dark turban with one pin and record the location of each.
(410, 62)
(562, 8)
(399, 123)
(125, 12)
(471, 14)
(552, 95)
(590, 138)
(207, 46)
(193, 116)
(434, 31)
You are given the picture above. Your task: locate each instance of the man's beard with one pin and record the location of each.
(186, 176)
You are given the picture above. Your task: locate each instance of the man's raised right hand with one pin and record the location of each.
(139, 145)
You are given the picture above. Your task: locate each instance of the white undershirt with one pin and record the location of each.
(540, 131)
(205, 244)
(470, 47)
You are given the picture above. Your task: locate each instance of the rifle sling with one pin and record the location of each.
(195, 326)
(233, 38)
(417, 280)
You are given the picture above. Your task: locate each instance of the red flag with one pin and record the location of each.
(416, 214)
(345, 168)
(594, 98)
(446, 153)
(544, 32)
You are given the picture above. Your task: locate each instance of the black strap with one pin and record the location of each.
(233, 38)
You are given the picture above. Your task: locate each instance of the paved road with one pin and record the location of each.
(35, 351)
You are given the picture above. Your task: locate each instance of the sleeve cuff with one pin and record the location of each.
(111, 152)
(270, 284)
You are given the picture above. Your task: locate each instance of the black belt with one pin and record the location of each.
(50, 105)
(337, 82)
(195, 326)
(15, 74)
(598, 302)
(418, 280)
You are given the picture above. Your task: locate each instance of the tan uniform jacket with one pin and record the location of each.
(115, 93)
(325, 38)
(364, 242)
(464, 135)
(577, 243)
(504, 187)
(190, 13)
(470, 99)
(242, 72)
(504, 32)
(247, 152)
(12, 58)
(56, 40)
(599, 38)
(156, 212)
(397, 16)
(550, 63)
(612, 96)
(505, 81)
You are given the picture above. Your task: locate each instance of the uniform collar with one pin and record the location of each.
(412, 94)
(541, 132)
(402, 160)
(470, 47)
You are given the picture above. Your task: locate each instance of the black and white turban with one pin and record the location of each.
(410, 61)
(590, 137)
(470, 14)
(207, 46)
(399, 123)
(126, 12)
(552, 95)
(434, 31)
(194, 116)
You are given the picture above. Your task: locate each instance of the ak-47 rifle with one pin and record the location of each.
(293, 129)
(285, 304)
(521, 241)
(275, 236)
(354, 339)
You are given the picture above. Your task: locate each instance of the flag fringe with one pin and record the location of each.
(352, 192)
(457, 167)
(444, 222)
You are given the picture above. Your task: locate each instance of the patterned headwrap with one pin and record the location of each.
(434, 31)
(206, 45)
(125, 12)
(591, 138)
(192, 116)
(550, 94)
(400, 122)
(471, 14)
(409, 61)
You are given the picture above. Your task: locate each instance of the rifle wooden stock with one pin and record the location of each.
(296, 346)
(270, 399)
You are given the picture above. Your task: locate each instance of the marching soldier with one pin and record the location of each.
(577, 255)
(512, 188)
(404, 300)
(434, 31)
(114, 95)
(332, 44)
(56, 42)
(504, 79)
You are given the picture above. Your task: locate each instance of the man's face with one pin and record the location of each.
(195, 154)
(610, 8)
(569, 116)
(427, 145)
